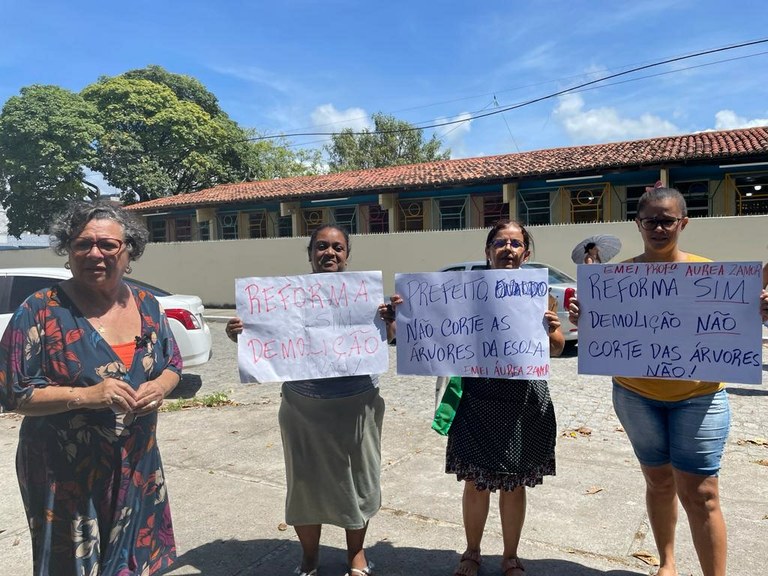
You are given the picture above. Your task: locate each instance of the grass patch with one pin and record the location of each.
(207, 401)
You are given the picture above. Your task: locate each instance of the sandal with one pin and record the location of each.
(512, 567)
(300, 572)
(367, 571)
(466, 569)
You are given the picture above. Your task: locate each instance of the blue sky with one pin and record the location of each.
(294, 66)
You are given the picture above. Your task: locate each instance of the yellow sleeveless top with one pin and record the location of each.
(670, 390)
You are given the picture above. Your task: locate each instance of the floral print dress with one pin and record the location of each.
(91, 480)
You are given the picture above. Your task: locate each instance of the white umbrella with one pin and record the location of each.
(608, 246)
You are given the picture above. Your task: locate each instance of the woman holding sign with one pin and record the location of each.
(678, 428)
(331, 431)
(503, 435)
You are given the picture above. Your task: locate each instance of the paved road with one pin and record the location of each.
(225, 476)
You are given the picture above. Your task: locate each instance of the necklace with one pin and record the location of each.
(101, 329)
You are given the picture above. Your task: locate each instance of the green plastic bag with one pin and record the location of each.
(446, 408)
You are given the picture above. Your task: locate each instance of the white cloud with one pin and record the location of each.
(728, 120)
(453, 135)
(328, 118)
(606, 124)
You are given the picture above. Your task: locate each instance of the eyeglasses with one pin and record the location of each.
(107, 246)
(653, 223)
(500, 243)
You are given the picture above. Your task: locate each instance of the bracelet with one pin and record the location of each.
(75, 400)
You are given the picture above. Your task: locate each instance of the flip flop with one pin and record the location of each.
(465, 569)
(367, 571)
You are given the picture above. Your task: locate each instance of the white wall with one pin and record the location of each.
(208, 269)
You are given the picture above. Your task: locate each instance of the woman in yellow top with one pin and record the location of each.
(678, 431)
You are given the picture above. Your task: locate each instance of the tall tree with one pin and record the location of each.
(165, 134)
(250, 157)
(155, 144)
(149, 132)
(46, 137)
(391, 143)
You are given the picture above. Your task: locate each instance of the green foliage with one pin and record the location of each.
(151, 133)
(212, 400)
(154, 144)
(269, 159)
(392, 143)
(186, 88)
(46, 136)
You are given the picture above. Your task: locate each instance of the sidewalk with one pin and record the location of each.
(225, 479)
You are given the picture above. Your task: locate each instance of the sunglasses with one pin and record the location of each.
(653, 223)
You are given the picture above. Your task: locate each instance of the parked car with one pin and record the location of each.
(185, 312)
(561, 286)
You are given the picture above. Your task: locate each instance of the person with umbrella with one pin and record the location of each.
(596, 249)
(592, 254)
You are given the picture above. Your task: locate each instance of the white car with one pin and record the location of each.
(185, 312)
(561, 286)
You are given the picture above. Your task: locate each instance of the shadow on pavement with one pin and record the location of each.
(187, 387)
(756, 391)
(273, 557)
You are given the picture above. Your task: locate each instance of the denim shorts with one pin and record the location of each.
(689, 434)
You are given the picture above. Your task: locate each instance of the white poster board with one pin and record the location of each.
(685, 320)
(310, 326)
(483, 323)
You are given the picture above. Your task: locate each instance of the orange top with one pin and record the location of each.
(125, 352)
(670, 390)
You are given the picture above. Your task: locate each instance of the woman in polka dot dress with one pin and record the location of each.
(503, 435)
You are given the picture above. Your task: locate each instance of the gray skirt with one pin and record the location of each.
(332, 450)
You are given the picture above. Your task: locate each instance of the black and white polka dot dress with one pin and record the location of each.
(503, 435)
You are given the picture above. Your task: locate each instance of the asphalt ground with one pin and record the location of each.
(225, 477)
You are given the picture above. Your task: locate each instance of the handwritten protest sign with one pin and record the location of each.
(486, 323)
(686, 320)
(310, 326)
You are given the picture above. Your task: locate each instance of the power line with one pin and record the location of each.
(573, 90)
(549, 96)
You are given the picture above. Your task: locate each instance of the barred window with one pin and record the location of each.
(346, 217)
(183, 225)
(533, 206)
(378, 219)
(494, 209)
(205, 230)
(313, 219)
(228, 226)
(696, 196)
(257, 224)
(411, 215)
(633, 195)
(586, 204)
(452, 213)
(284, 226)
(157, 231)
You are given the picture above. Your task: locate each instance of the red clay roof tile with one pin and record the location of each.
(505, 167)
